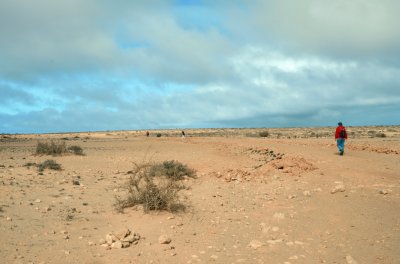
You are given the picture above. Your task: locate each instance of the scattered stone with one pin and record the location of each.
(121, 239)
(121, 234)
(164, 239)
(350, 260)
(75, 182)
(116, 244)
(110, 238)
(279, 215)
(214, 257)
(384, 192)
(307, 193)
(254, 244)
(9, 218)
(37, 201)
(338, 188)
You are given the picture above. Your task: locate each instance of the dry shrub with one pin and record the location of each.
(264, 133)
(172, 169)
(49, 164)
(77, 150)
(57, 148)
(150, 186)
(51, 148)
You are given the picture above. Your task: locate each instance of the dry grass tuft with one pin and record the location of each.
(49, 164)
(57, 148)
(155, 187)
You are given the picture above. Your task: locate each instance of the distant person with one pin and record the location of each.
(340, 137)
(183, 133)
(147, 133)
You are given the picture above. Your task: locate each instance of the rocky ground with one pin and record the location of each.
(285, 198)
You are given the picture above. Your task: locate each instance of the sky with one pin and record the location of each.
(95, 65)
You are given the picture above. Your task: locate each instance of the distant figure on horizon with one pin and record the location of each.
(340, 137)
(147, 133)
(183, 133)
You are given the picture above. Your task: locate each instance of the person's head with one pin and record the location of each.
(340, 124)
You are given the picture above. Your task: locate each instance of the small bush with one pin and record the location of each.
(381, 135)
(52, 148)
(57, 148)
(49, 164)
(77, 150)
(30, 164)
(152, 186)
(172, 169)
(158, 134)
(264, 134)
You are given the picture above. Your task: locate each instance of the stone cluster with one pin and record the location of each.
(121, 239)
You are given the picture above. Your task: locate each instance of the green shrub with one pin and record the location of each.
(153, 187)
(158, 134)
(264, 134)
(49, 164)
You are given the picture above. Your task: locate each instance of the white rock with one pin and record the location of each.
(164, 239)
(254, 244)
(307, 193)
(338, 188)
(116, 244)
(350, 260)
(384, 192)
(122, 233)
(110, 238)
(279, 215)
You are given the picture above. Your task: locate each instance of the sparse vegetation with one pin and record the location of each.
(51, 148)
(264, 133)
(49, 164)
(57, 148)
(77, 150)
(172, 169)
(155, 186)
(30, 164)
(158, 134)
(381, 135)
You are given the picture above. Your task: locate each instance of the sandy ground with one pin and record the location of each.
(246, 206)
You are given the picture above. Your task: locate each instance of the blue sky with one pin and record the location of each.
(114, 65)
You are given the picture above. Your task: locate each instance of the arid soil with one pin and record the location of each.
(285, 198)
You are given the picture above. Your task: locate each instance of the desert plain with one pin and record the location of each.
(285, 197)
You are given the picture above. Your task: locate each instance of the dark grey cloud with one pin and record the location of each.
(96, 65)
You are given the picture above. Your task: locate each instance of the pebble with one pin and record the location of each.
(338, 188)
(384, 192)
(116, 244)
(307, 193)
(254, 244)
(350, 260)
(279, 215)
(164, 239)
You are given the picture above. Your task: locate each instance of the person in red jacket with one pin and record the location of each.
(340, 137)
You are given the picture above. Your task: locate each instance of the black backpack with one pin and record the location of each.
(342, 133)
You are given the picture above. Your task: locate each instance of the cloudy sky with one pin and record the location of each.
(72, 65)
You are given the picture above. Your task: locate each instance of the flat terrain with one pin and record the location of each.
(285, 198)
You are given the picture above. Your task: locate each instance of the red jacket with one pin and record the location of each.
(338, 129)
